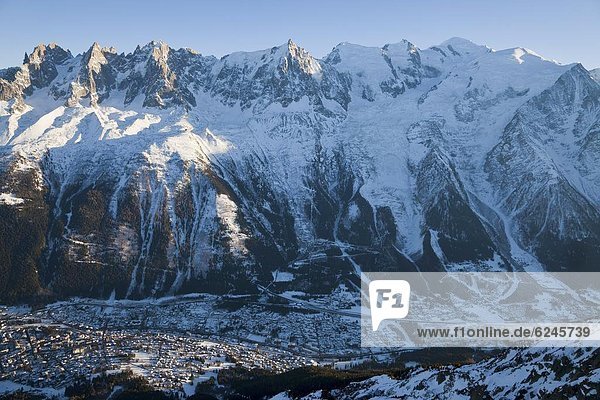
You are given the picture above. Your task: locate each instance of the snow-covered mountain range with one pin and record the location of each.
(164, 171)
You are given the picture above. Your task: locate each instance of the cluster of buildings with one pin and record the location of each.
(173, 342)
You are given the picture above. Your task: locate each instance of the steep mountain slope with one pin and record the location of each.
(556, 211)
(527, 374)
(164, 171)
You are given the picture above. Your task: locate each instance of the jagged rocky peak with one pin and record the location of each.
(160, 52)
(152, 71)
(13, 83)
(160, 78)
(158, 63)
(282, 74)
(95, 57)
(155, 51)
(287, 58)
(38, 70)
(307, 63)
(41, 63)
(163, 85)
(96, 77)
(51, 52)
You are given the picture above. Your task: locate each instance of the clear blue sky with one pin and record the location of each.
(567, 31)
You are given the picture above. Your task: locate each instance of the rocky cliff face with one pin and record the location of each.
(164, 171)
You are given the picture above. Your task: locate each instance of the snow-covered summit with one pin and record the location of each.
(462, 47)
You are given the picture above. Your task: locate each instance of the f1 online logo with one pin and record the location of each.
(389, 299)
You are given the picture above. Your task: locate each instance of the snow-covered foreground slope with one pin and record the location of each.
(165, 171)
(517, 374)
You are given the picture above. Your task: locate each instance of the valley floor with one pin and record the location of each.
(287, 345)
(176, 342)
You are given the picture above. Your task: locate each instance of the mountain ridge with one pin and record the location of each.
(164, 171)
